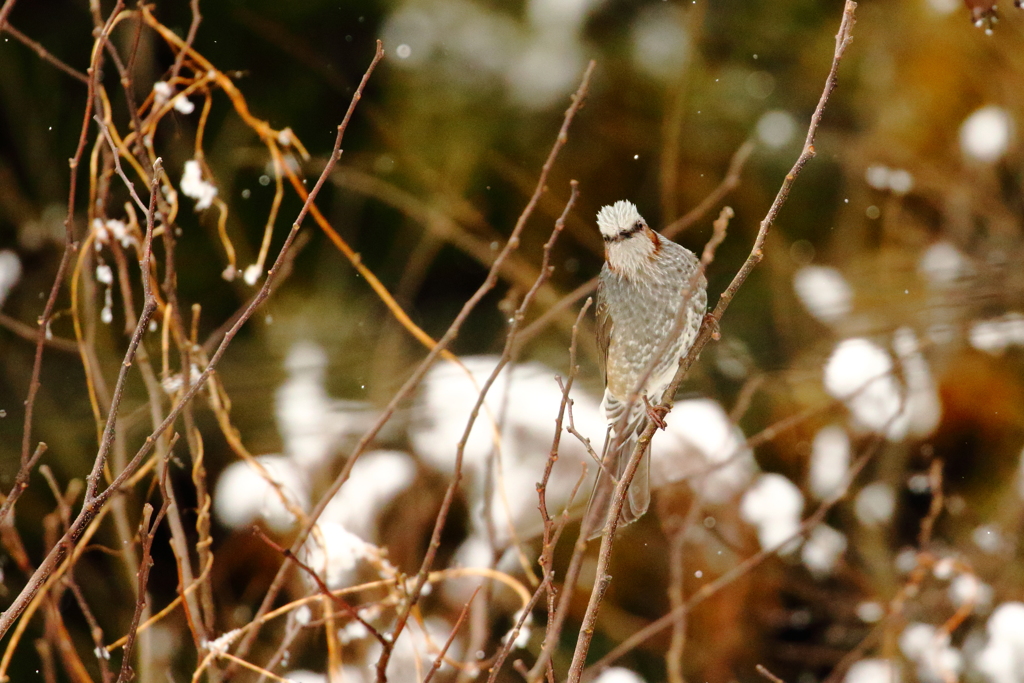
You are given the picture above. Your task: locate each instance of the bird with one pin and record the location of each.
(651, 302)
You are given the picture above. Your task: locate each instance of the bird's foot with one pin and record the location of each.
(656, 414)
(711, 321)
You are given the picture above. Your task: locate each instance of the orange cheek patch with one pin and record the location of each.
(655, 240)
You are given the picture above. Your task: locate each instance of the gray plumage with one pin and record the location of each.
(643, 299)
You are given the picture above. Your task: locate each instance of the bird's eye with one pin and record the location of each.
(639, 225)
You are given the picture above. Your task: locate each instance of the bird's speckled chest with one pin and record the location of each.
(642, 310)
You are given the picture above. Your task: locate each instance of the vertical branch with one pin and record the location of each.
(552, 530)
(712, 588)
(189, 39)
(147, 532)
(506, 354)
(148, 307)
(707, 331)
(70, 248)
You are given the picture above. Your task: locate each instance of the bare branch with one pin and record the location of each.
(510, 342)
(707, 331)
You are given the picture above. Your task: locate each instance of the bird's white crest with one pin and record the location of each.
(618, 217)
(626, 255)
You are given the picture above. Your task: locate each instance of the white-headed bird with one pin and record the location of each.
(649, 310)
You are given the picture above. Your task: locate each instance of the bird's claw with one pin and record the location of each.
(656, 414)
(711, 321)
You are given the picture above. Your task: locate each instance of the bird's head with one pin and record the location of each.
(629, 244)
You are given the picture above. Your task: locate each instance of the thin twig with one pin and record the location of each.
(43, 53)
(451, 637)
(189, 39)
(710, 589)
(28, 332)
(20, 484)
(95, 501)
(321, 585)
(924, 538)
(761, 669)
(557, 613)
(5, 11)
(147, 533)
(707, 331)
(510, 340)
(552, 530)
(70, 248)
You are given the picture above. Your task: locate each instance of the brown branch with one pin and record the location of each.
(189, 39)
(924, 538)
(43, 53)
(320, 584)
(761, 669)
(128, 86)
(451, 637)
(5, 11)
(94, 627)
(70, 248)
(117, 165)
(95, 501)
(710, 589)
(552, 530)
(147, 533)
(510, 345)
(584, 440)
(28, 332)
(557, 613)
(20, 484)
(707, 331)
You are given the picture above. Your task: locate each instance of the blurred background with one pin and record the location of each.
(898, 255)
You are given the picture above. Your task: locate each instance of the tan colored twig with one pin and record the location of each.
(451, 637)
(763, 670)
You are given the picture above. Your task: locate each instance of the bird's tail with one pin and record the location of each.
(618, 447)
